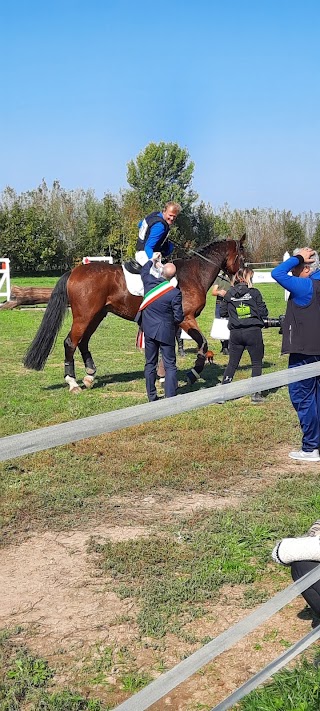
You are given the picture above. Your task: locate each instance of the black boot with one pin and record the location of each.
(256, 398)
(181, 350)
(224, 347)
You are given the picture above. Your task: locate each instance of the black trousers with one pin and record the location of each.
(249, 338)
(311, 595)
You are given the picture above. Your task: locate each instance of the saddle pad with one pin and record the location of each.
(133, 282)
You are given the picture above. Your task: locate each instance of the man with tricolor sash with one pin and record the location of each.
(159, 317)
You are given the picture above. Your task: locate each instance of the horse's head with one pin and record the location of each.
(235, 256)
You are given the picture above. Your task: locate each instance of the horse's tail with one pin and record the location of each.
(46, 335)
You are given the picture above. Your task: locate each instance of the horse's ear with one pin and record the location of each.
(243, 238)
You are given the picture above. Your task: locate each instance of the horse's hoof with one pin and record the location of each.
(192, 376)
(88, 381)
(76, 390)
(73, 385)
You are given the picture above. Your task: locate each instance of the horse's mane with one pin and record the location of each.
(203, 249)
(206, 247)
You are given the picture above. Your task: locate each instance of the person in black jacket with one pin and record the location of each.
(244, 306)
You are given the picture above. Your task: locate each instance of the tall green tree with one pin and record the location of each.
(316, 238)
(29, 236)
(293, 233)
(99, 225)
(131, 212)
(199, 227)
(160, 173)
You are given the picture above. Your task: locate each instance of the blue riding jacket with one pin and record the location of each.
(156, 236)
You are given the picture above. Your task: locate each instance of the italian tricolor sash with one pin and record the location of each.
(154, 293)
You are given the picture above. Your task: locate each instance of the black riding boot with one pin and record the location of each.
(224, 347)
(256, 398)
(179, 340)
(181, 350)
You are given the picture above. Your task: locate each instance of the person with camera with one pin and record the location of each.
(301, 341)
(245, 308)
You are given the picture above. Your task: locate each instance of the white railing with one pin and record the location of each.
(87, 260)
(5, 278)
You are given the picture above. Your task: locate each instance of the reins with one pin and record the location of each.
(194, 252)
(221, 276)
(198, 254)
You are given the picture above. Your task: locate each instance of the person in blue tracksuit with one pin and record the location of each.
(159, 317)
(153, 233)
(301, 340)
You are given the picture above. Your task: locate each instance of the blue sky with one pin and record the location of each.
(85, 86)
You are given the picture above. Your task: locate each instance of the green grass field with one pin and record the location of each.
(174, 575)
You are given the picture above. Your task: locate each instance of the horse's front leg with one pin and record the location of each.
(89, 365)
(190, 326)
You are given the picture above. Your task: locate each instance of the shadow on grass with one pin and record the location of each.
(308, 614)
(210, 377)
(103, 380)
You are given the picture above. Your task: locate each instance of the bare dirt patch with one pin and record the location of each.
(47, 583)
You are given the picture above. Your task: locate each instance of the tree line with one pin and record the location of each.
(51, 229)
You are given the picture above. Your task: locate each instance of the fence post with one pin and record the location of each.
(5, 278)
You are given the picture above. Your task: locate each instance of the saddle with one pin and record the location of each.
(132, 266)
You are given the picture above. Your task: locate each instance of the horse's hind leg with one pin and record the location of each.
(78, 329)
(69, 369)
(83, 346)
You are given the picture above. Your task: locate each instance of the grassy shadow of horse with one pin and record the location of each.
(209, 378)
(107, 379)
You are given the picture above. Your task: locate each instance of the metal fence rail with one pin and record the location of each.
(20, 445)
(269, 670)
(182, 671)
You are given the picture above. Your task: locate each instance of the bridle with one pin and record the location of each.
(239, 255)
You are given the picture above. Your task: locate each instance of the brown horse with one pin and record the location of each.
(94, 289)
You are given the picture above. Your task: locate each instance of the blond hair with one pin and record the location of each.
(243, 276)
(173, 206)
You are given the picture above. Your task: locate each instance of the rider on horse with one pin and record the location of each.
(153, 233)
